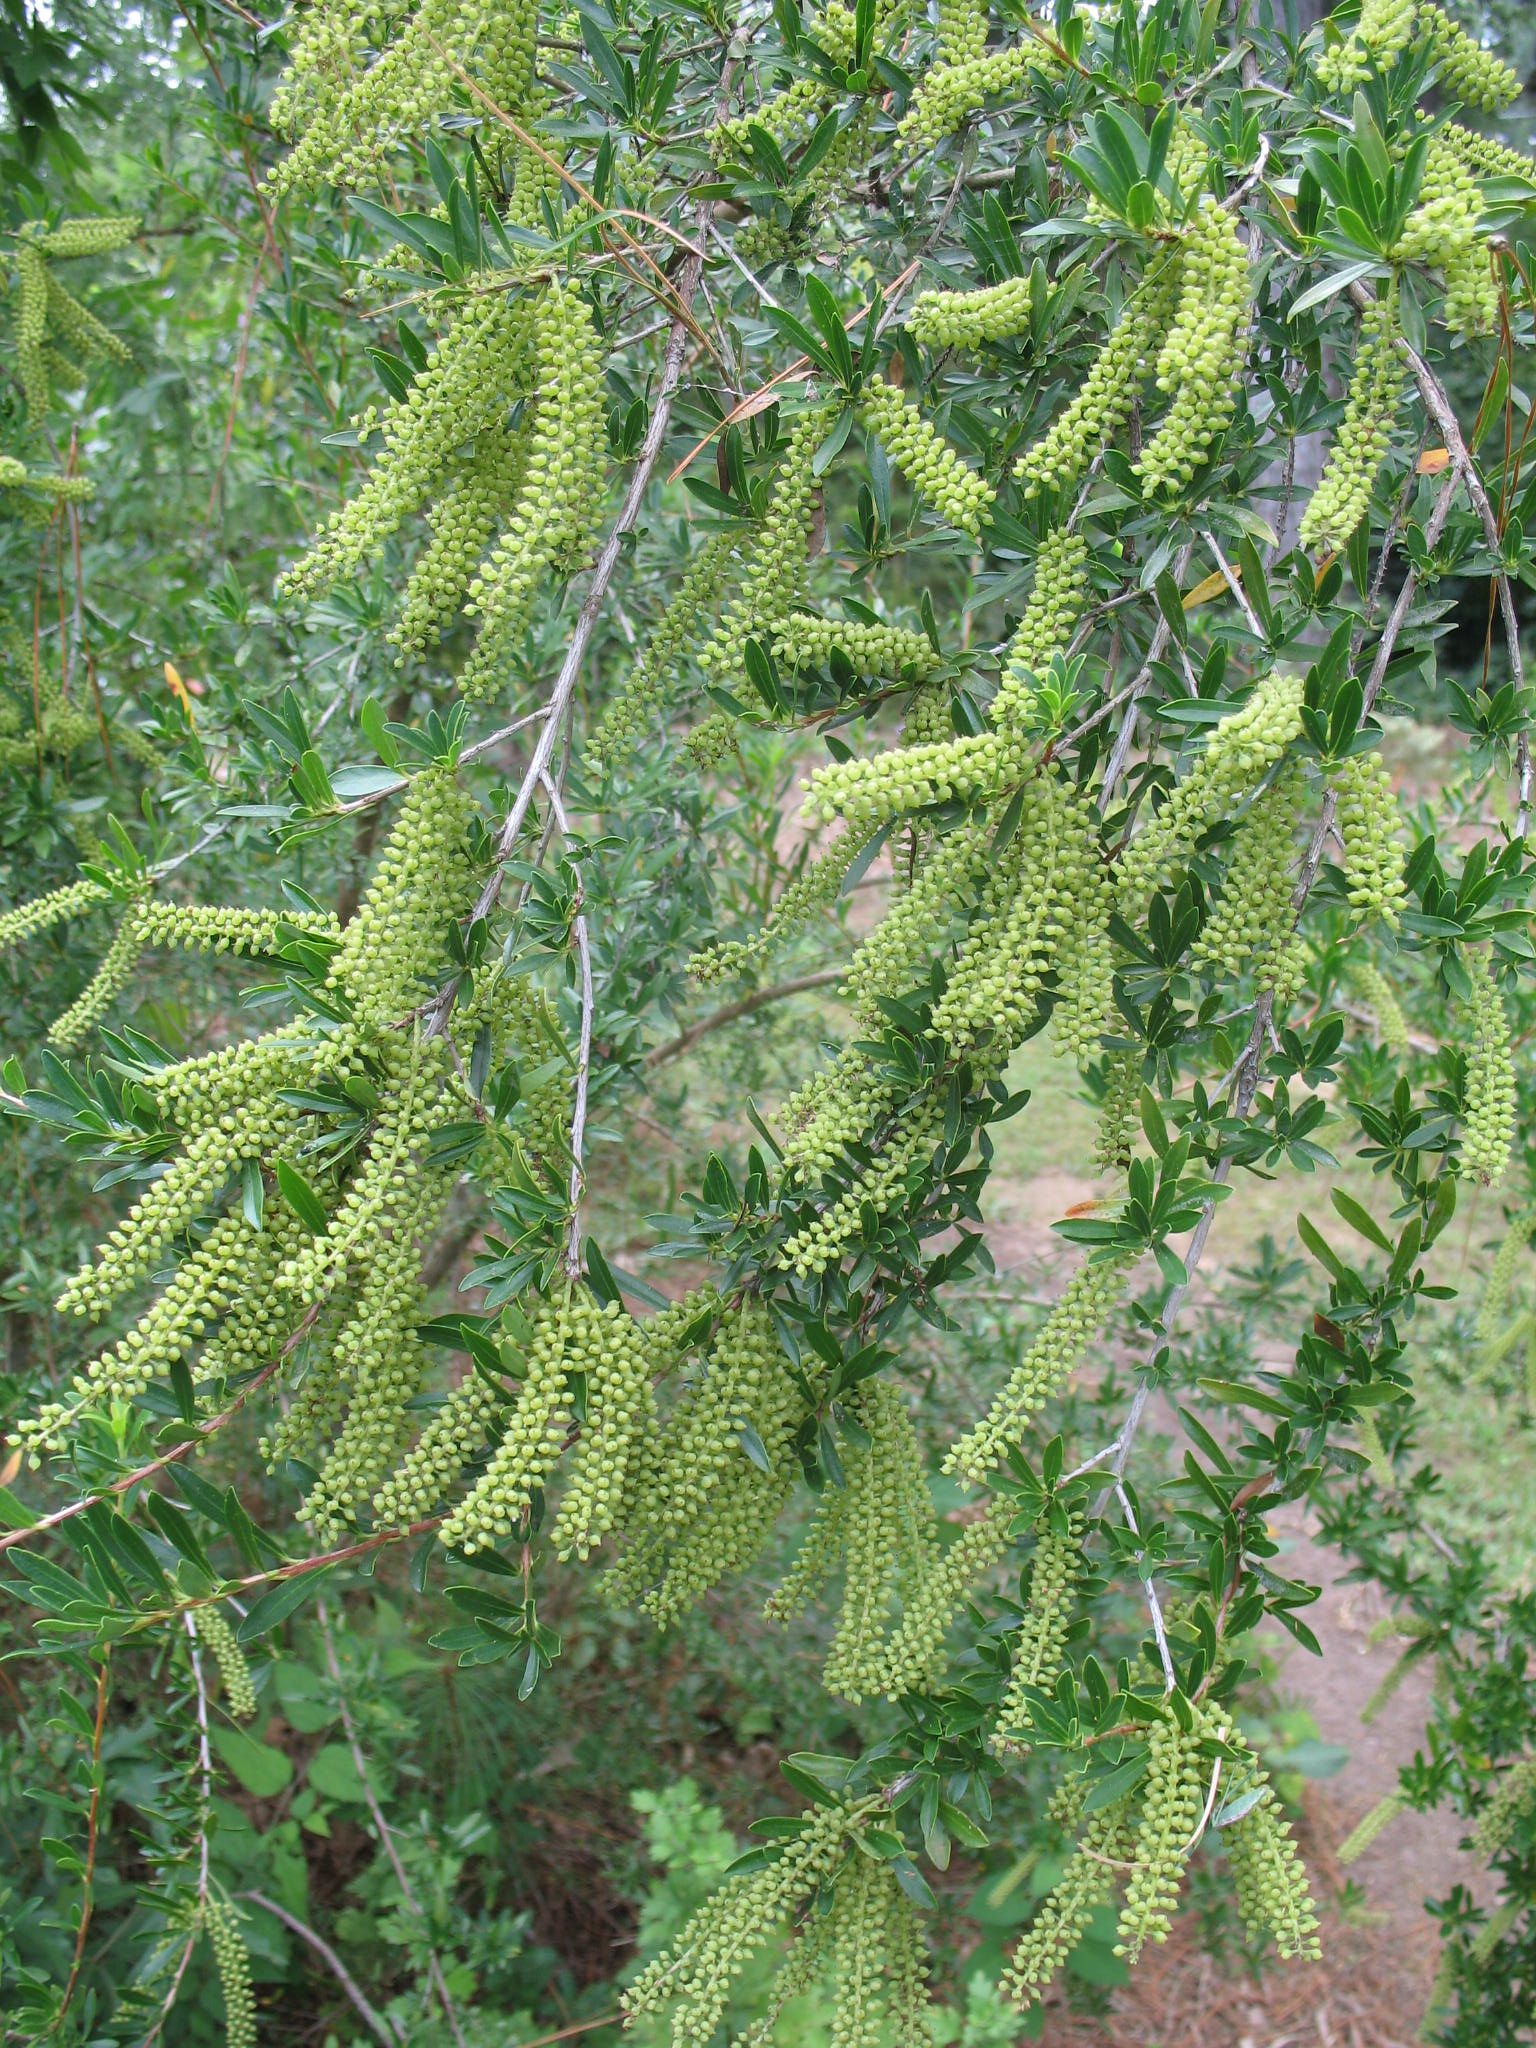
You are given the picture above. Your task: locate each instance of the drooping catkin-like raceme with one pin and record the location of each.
(1110, 390)
(1368, 818)
(1200, 361)
(535, 1432)
(53, 330)
(886, 1529)
(1239, 753)
(1046, 903)
(1465, 70)
(1253, 923)
(873, 1946)
(232, 1959)
(1381, 999)
(1052, 1356)
(1442, 231)
(1343, 496)
(463, 524)
(1485, 156)
(473, 376)
(1383, 32)
(914, 1655)
(1063, 1915)
(951, 93)
(551, 518)
(1514, 1796)
(997, 312)
(651, 677)
(1488, 1131)
(1055, 605)
(711, 1485)
(1271, 1882)
(804, 641)
(1119, 1112)
(875, 1186)
(215, 1631)
(1371, 1828)
(26, 920)
(1041, 1641)
(618, 1409)
(204, 1287)
(105, 986)
(936, 473)
(872, 790)
(1501, 1276)
(1172, 1798)
(360, 82)
(776, 556)
(815, 888)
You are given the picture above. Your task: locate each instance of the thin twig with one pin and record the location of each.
(744, 1006)
(374, 2021)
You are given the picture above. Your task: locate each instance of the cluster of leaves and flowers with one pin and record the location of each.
(1123, 759)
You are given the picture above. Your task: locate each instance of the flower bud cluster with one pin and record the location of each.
(456, 1435)
(233, 1962)
(1515, 1244)
(711, 740)
(49, 320)
(215, 1631)
(695, 1974)
(43, 912)
(1090, 1296)
(1484, 155)
(1172, 1800)
(1063, 1915)
(226, 927)
(1380, 998)
(625, 718)
(361, 81)
(472, 378)
(885, 1531)
(1488, 1131)
(1343, 495)
(204, 1286)
(805, 641)
(873, 1186)
(551, 521)
(702, 1506)
(534, 1437)
(105, 986)
(1043, 886)
(1252, 919)
(897, 951)
(619, 1409)
(1119, 1112)
(1384, 31)
(950, 94)
(935, 472)
(1055, 604)
(1466, 71)
(971, 319)
(815, 888)
(1041, 1642)
(1109, 391)
(1442, 230)
(1237, 756)
(775, 576)
(1271, 1883)
(915, 1653)
(462, 525)
(874, 790)
(1201, 359)
(1368, 819)
(1513, 1798)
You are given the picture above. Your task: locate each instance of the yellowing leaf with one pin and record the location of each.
(1208, 587)
(1433, 460)
(179, 691)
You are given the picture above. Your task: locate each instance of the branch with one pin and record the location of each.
(374, 2021)
(1120, 752)
(744, 1006)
